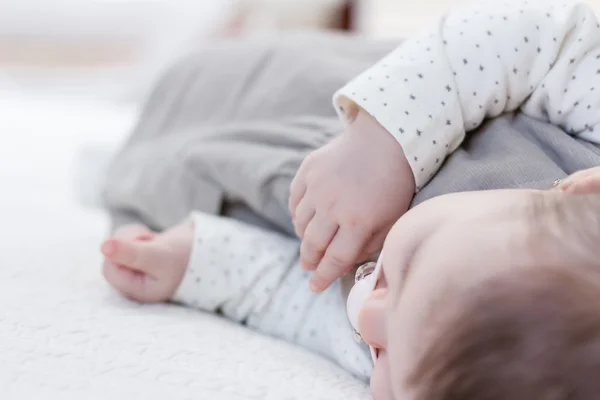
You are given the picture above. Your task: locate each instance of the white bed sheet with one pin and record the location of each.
(65, 335)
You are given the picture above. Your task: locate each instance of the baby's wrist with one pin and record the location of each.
(209, 237)
(365, 123)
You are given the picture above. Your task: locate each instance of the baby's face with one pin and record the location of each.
(435, 254)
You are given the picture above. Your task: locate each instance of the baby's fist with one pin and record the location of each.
(345, 198)
(147, 266)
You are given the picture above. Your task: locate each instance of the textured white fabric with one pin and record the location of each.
(65, 335)
(253, 276)
(542, 56)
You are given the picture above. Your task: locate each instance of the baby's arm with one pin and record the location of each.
(478, 62)
(251, 275)
(207, 261)
(218, 264)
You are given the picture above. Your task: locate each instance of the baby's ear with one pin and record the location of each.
(582, 182)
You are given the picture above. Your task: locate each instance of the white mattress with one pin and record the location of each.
(65, 335)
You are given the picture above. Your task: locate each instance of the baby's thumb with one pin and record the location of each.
(142, 256)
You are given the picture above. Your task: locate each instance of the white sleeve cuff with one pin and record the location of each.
(203, 275)
(229, 262)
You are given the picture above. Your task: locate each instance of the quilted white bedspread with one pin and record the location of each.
(65, 335)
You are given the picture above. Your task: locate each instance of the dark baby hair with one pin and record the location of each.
(530, 333)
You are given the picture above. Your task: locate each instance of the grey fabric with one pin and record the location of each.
(512, 151)
(226, 129)
(232, 124)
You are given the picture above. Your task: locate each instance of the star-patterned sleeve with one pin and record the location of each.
(539, 56)
(253, 276)
(234, 266)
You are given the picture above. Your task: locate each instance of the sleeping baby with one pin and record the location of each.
(433, 318)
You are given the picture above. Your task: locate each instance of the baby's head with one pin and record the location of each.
(530, 334)
(500, 301)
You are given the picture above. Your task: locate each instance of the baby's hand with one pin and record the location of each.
(584, 181)
(147, 266)
(346, 197)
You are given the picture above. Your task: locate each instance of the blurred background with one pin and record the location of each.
(112, 50)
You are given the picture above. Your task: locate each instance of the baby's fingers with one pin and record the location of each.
(319, 233)
(588, 184)
(340, 257)
(297, 190)
(130, 283)
(304, 214)
(141, 256)
(584, 181)
(134, 232)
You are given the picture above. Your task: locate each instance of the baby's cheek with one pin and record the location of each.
(381, 383)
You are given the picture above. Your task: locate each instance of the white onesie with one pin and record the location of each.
(253, 276)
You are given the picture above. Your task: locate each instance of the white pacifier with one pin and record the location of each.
(365, 280)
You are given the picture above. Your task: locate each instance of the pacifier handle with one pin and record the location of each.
(362, 288)
(366, 279)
